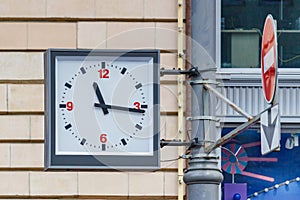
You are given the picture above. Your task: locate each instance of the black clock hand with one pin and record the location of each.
(100, 97)
(118, 108)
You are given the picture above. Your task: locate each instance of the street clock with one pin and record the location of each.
(101, 109)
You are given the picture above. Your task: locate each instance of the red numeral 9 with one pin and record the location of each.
(103, 138)
(103, 73)
(137, 105)
(70, 106)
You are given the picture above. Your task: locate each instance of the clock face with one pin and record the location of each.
(104, 107)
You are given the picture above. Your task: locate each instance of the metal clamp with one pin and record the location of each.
(164, 143)
(193, 71)
(195, 82)
(185, 156)
(193, 143)
(211, 118)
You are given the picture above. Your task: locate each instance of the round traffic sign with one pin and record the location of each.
(269, 59)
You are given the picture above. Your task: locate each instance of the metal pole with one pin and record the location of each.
(180, 95)
(230, 103)
(203, 176)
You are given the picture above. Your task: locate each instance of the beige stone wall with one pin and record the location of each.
(27, 29)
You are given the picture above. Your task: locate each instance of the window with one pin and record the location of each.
(270, 2)
(232, 2)
(242, 24)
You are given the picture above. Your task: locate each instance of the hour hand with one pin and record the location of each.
(118, 108)
(100, 97)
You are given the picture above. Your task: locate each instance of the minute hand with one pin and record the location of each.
(100, 97)
(106, 106)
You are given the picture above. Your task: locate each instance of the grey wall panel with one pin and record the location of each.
(251, 100)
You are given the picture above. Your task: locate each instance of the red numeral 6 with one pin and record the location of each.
(103, 138)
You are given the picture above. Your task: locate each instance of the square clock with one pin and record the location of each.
(102, 109)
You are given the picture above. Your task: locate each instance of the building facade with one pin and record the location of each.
(29, 27)
(240, 71)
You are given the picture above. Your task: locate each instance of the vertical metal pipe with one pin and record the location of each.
(180, 98)
(188, 5)
(188, 58)
(203, 175)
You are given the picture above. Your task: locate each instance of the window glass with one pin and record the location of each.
(241, 30)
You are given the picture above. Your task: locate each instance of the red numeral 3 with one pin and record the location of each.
(137, 105)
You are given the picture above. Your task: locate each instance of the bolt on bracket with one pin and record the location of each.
(211, 118)
(193, 71)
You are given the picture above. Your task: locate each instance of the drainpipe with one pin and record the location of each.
(180, 100)
(188, 4)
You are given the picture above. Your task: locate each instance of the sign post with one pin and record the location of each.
(270, 119)
(270, 129)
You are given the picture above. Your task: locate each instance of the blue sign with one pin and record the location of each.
(242, 161)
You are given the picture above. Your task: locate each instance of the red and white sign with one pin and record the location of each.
(269, 58)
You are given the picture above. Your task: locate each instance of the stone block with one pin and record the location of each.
(168, 156)
(26, 97)
(157, 9)
(27, 155)
(53, 183)
(171, 186)
(166, 36)
(3, 97)
(13, 35)
(21, 66)
(119, 9)
(71, 8)
(4, 155)
(129, 35)
(103, 183)
(168, 61)
(24, 8)
(146, 184)
(51, 35)
(91, 35)
(37, 127)
(14, 183)
(14, 127)
(168, 98)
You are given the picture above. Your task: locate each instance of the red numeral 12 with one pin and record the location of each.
(103, 73)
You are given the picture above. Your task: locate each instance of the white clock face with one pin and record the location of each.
(101, 109)
(104, 105)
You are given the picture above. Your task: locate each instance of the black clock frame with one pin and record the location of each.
(86, 162)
